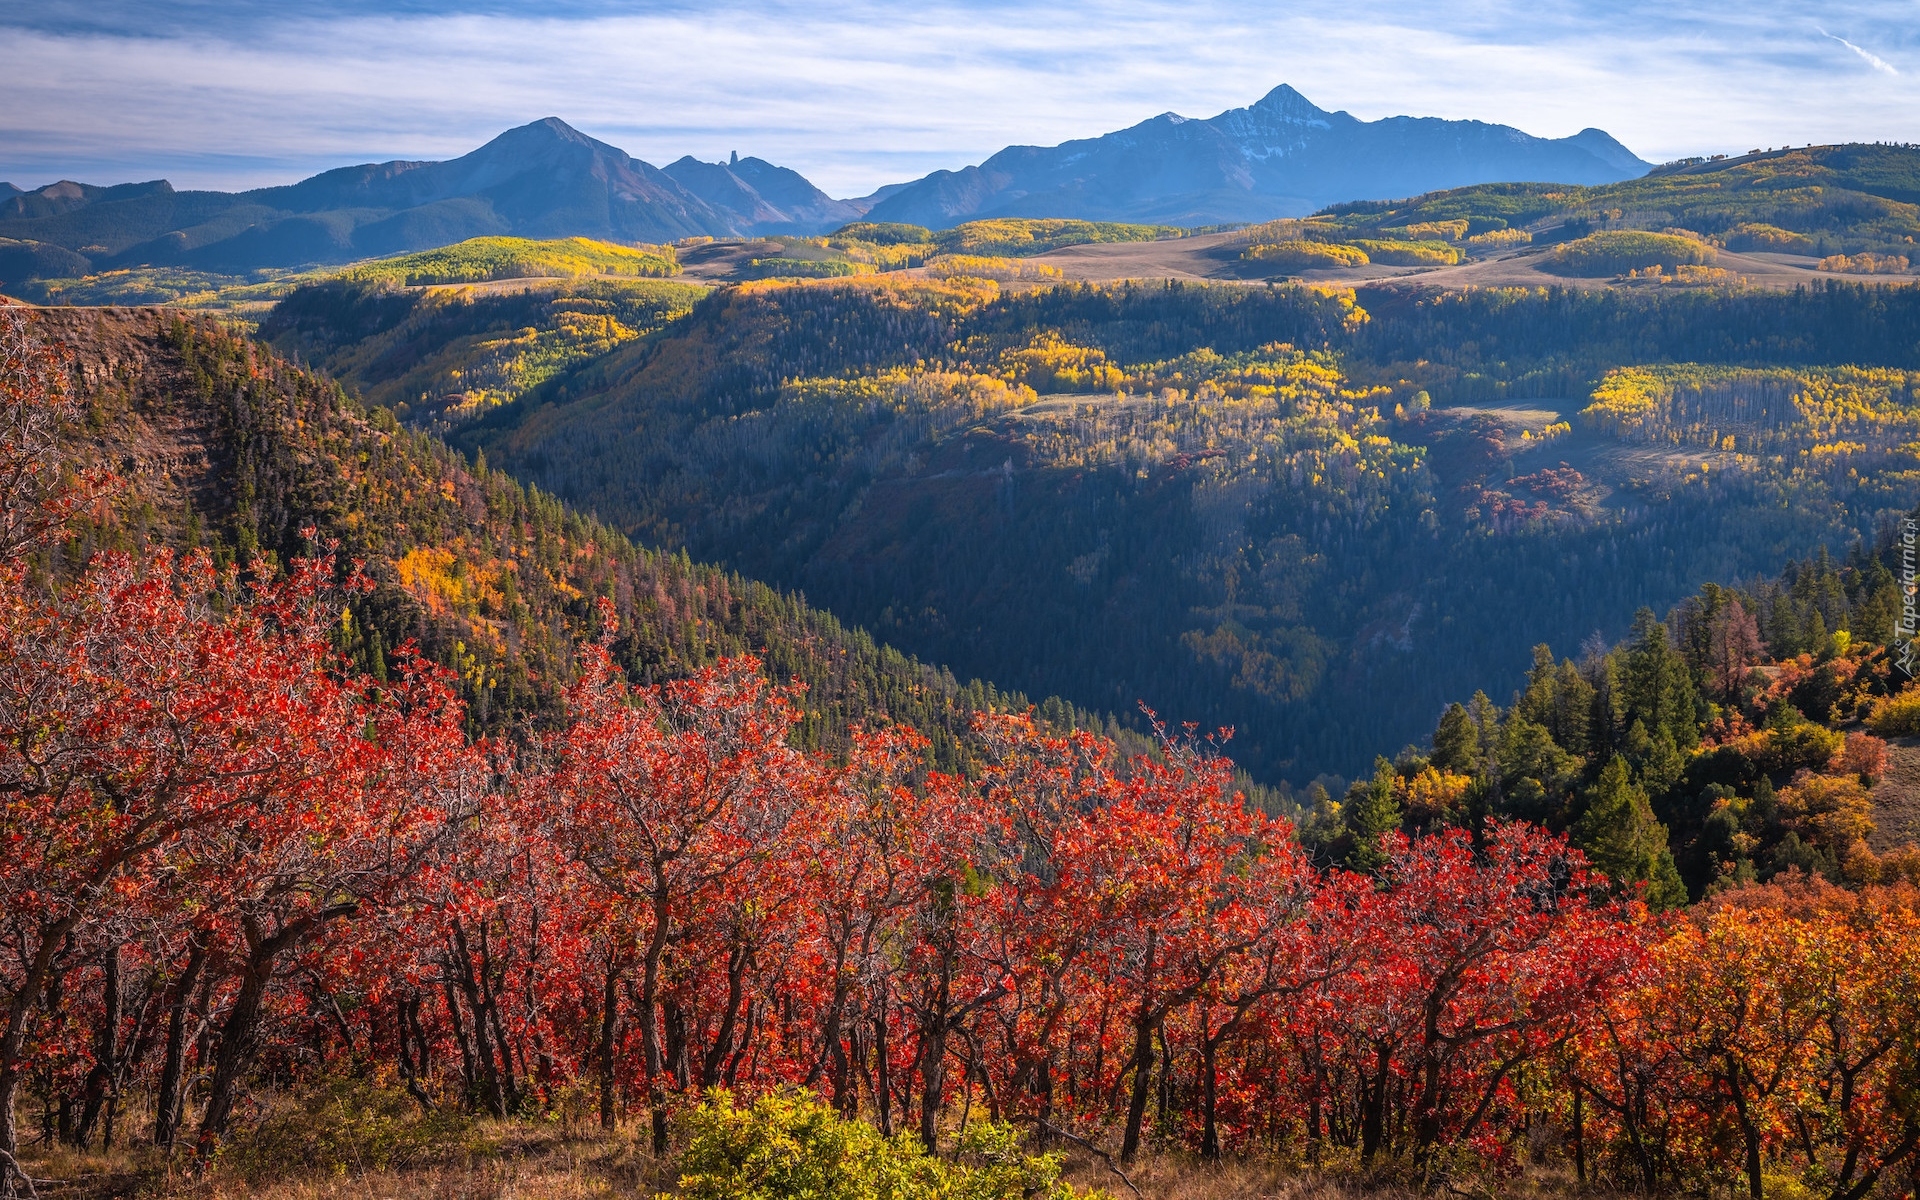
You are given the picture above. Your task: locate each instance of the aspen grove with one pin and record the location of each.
(228, 860)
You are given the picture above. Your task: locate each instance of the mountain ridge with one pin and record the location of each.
(543, 179)
(1280, 156)
(1240, 165)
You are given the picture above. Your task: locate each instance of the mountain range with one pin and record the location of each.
(546, 179)
(1281, 156)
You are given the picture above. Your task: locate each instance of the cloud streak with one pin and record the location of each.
(224, 94)
(1869, 57)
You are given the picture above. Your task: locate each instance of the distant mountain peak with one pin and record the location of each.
(548, 131)
(1281, 156)
(1607, 148)
(761, 197)
(542, 179)
(1284, 102)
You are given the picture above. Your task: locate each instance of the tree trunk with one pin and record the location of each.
(674, 1039)
(1373, 1106)
(1748, 1132)
(410, 1072)
(738, 959)
(654, 1060)
(730, 1077)
(1143, 1059)
(106, 1049)
(832, 1060)
(609, 1025)
(1579, 1138)
(1164, 1092)
(489, 1020)
(491, 1090)
(168, 1101)
(1143, 1024)
(933, 1085)
(19, 1015)
(237, 1037)
(883, 1075)
(469, 1070)
(1209, 1090)
(242, 1028)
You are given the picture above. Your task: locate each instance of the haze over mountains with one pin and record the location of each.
(1281, 156)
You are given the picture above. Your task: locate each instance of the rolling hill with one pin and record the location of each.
(1814, 200)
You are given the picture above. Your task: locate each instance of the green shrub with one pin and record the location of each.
(804, 268)
(792, 1147)
(477, 260)
(1409, 254)
(1305, 255)
(1616, 252)
(348, 1126)
(1017, 237)
(1802, 744)
(1781, 1185)
(1756, 235)
(885, 233)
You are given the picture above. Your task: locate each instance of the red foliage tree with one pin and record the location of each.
(665, 796)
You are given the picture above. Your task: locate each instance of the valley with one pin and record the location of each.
(1267, 655)
(1055, 463)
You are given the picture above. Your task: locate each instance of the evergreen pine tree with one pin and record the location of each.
(1622, 837)
(1538, 702)
(1371, 811)
(1456, 742)
(1486, 723)
(1573, 699)
(1657, 684)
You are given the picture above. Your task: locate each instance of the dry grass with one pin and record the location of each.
(505, 1161)
(348, 1142)
(592, 1167)
(586, 1165)
(1179, 1177)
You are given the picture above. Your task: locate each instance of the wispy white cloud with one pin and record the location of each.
(1869, 57)
(864, 93)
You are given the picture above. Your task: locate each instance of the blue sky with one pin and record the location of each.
(237, 94)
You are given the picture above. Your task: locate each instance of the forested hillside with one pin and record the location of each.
(438, 358)
(1263, 508)
(279, 908)
(224, 446)
(1735, 744)
(1817, 200)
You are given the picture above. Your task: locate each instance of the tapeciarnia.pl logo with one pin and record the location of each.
(1909, 626)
